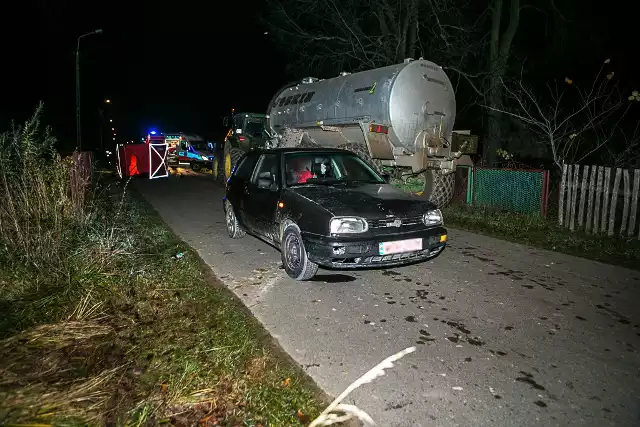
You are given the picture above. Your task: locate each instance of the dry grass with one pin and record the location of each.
(338, 412)
(36, 205)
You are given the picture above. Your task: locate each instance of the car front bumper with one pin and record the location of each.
(364, 253)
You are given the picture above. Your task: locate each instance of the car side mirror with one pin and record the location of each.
(386, 177)
(266, 184)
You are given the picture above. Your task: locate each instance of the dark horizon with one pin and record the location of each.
(162, 67)
(183, 68)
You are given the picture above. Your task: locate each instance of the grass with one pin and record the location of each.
(411, 184)
(544, 233)
(119, 323)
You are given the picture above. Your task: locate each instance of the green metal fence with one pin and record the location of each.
(522, 191)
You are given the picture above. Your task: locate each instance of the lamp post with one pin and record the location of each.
(78, 131)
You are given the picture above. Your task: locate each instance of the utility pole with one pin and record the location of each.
(78, 127)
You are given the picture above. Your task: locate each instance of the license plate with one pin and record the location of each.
(400, 246)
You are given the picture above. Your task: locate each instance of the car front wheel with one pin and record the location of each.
(294, 255)
(233, 227)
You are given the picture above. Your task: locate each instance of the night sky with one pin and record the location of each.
(175, 66)
(181, 66)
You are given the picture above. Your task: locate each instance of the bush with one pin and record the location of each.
(51, 238)
(36, 213)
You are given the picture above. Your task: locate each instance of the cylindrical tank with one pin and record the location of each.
(413, 99)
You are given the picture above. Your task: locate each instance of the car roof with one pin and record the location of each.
(303, 150)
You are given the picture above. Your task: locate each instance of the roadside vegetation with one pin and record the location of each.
(107, 318)
(536, 231)
(544, 233)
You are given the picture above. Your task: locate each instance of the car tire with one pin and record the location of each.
(233, 227)
(196, 167)
(294, 255)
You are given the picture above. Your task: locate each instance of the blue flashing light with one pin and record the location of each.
(153, 132)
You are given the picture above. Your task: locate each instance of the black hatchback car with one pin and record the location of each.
(328, 207)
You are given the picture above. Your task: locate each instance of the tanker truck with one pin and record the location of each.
(398, 117)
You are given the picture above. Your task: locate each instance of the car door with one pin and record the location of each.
(182, 150)
(237, 186)
(261, 195)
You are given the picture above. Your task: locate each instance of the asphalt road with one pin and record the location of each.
(506, 334)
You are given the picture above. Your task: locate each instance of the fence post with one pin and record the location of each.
(470, 185)
(634, 202)
(596, 207)
(614, 201)
(574, 196)
(583, 195)
(563, 184)
(569, 191)
(605, 200)
(473, 186)
(627, 196)
(545, 193)
(592, 192)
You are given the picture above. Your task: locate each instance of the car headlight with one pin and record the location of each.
(345, 224)
(433, 217)
(205, 158)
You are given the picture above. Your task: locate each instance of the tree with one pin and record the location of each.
(499, 52)
(574, 123)
(494, 32)
(472, 41)
(354, 35)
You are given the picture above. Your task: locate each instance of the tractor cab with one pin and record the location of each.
(247, 130)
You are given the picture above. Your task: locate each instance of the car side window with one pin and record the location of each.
(353, 168)
(266, 170)
(245, 167)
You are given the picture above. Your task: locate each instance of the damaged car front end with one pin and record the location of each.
(389, 231)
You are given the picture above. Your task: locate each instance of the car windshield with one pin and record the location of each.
(328, 168)
(254, 128)
(199, 145)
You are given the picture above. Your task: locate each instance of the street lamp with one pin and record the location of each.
(78, 131)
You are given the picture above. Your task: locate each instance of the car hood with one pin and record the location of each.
(372, 201)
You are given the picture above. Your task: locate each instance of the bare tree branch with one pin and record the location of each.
(575, 130)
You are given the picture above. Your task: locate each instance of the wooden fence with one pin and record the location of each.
(591, 198)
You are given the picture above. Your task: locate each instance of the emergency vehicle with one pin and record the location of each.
(189, 150)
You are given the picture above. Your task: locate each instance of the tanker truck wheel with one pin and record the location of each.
(363, 152)
(438, 187)
(231, 157)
